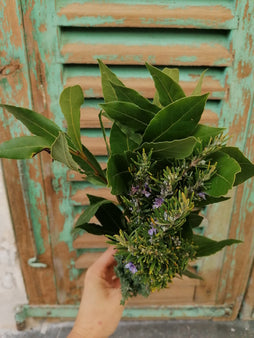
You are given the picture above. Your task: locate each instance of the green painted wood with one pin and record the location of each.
(70, 312)
(47, 33)
(130, 46)
(23, 178)
(70, 15)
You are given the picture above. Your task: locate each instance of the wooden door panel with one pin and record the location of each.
(63, 43)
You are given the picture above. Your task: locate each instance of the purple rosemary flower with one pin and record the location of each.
(131, 267)
(202, 195)
(147, 190)
(157, 202)
(152, 231)
(134, 190)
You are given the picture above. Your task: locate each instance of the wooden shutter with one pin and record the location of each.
(63, 43)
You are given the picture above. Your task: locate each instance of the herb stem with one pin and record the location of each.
(83, 157)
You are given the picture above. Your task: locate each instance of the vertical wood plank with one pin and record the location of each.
(240, 114)
(27, 215)
(46, 82)
(247, 310)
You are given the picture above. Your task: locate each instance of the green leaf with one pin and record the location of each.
(91, 228)
(168, 89)
(224, 176)
(60, 152)
(128, 114)
(191, 274)
(90, 211)
(23, 147)
(109, 215)
(177, 120)
(211, 200)
(90, 166)
(186, 231)
(207, 246)
(130, 95)
(71, 100)
(118, 174)
(204, 133)
(119, 141)
(173, 73)
(37, 123)
(172, 149)
(247, 168)
(104, 133)
(194, 220)
(130, 133)
(107, 78)
(93, 179)
(197, 90)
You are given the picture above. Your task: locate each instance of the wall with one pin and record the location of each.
(12, 290)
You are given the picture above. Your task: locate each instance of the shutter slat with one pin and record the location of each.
(89, 118)
(87, 259)
(175, 55)
(206, 15)
(91, 86)
(96, 145)
(133, 47)
(90, 241)
(80, 198)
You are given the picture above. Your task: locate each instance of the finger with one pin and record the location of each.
(106, 260)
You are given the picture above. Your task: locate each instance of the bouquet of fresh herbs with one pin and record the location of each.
(163, 167)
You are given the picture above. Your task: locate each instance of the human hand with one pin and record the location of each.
(100, 309)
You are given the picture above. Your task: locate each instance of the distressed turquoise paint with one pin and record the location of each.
(172, 4)
(89, 92)
(89, 21)
(14, 55)
(49, 54)
(35, 197)
(71, 311)
(241, 84)
(73, 272)
(186, 73)
(63, 187)
(94, 132)
(187, 59)
(45, 33)
(33, 191)
(205, 23)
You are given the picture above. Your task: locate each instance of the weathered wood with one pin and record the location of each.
(247, 310)
(95, 144)
(45, 75)
(80, 198)
(28, 209)
(90, 241)
(111, 14)
(239, 109)
(203, 49)
(91, 86)
(175, 55)
(87, 259)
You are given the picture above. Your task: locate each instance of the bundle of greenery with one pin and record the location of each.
(163, 167)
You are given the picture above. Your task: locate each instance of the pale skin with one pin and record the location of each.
(100, 310)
